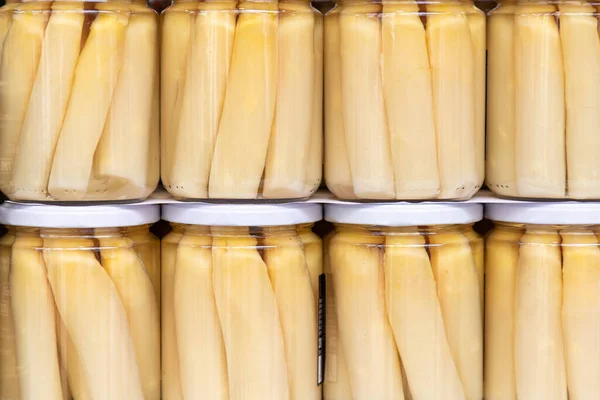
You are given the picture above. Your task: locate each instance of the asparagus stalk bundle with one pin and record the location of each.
(246, 94)
(410, 90)
(427, 319)
(232, 308)
(77, 102)
(82, 323)
(542, 106)
(542, 307)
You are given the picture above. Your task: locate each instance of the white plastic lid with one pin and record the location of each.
(242, 214)
(565, 213)
(93, 216)
(404, 214)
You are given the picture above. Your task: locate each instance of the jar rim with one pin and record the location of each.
(242, 214)
(83, 216)
(545, 213)
(404, 214)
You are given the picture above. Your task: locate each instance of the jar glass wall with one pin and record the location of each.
(78, 101)
(404, 99)
(80, 313)
(404, 307)
(543, 85)
(542, 304)
(239, 305)
(242, 99)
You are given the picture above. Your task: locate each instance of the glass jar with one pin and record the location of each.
(543, 102)
(404, 99)
(239, 310)
(78, 101)
(242, 99)
(405, 304)
(542, 301)
(79, 303)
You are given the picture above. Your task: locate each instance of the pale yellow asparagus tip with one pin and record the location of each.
(244, 293)
(416, 318)
(200, 344)
(371, 354)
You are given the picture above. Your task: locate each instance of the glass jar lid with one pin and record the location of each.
(242, 214)
(92, 216)
(404, 214)
(561, 213)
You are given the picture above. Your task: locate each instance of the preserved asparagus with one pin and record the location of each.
(542, 102)
(501, 260)
(407, 302)
(80, 86)
(408, 81)
(371, 356)
(84, 319)
(241, 321)
(243, 96)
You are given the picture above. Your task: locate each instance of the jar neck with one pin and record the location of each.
(239, 231)
(378, 230)
(253, 4)
(406, 2)
(85, 233)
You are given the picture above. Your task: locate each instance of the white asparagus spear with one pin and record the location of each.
(363, 108)
(203, 95)
(409, 102)
(500, 160)
(452, 71)
(581, 313)
(289, 145)
(147, 246)
(539, 354)
(288, 272)
(123, 153)
(171, 375)
(177, 25)
(136, 291)
(95, 318)
(338, 176)
(95, 79)
(250, 320)
(48, 102)
(580, 41)
(202, 360)
(314, 168)
(476, 243)
(371, 354)
(501, 259)
(458, 292)
(21, 53)
(313, 251)
(416, 318)
(5, 22)
(247, 118)
(477, 24)
(9, 374)
(539, 104)
(34, 322)
(337, 381)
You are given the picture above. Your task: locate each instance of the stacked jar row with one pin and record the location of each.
(244, 304)
(249, 89)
